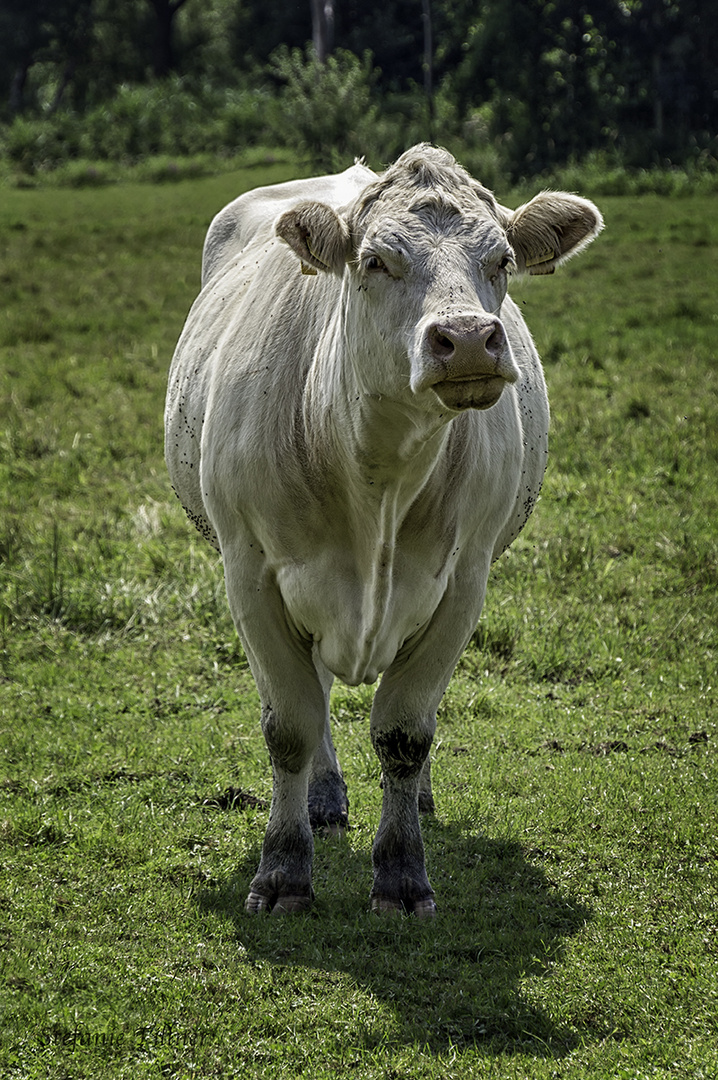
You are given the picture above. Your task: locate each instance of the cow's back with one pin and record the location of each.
(256, 307)
(252, 216)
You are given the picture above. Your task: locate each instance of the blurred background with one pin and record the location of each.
(516, 88)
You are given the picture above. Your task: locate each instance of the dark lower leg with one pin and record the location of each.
(283, 881)
(400, 878)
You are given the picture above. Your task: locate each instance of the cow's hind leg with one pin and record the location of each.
(328, 800)
(426, 795)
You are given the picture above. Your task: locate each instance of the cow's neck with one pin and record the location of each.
(379, 457)
(379, 448)
(376, 455)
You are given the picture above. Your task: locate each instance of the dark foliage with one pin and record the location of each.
(540, 82)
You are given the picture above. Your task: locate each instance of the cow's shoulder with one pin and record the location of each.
(252, 215)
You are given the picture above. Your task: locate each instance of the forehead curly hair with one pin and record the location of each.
(423, 172)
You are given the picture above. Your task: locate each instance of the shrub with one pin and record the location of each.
(42, 144)
(144, 120)
(83, 173)
(141, 122)
(326, 110)
(245, 118)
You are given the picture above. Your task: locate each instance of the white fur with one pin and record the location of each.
(357, 515)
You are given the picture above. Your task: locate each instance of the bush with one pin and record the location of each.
(245, 118)
(83, 173)
(599, 173)
(141, 122)
(43, 144)
(326, 111)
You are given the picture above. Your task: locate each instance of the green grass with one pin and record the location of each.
(574, 852)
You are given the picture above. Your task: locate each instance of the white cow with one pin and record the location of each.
(360, 441)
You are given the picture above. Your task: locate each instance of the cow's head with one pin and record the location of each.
(426, 253)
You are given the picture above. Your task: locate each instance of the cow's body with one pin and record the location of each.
(360, 442)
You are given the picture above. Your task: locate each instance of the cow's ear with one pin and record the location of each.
(550, 229)
(318, 235)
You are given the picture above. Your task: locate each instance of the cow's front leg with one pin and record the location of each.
(402, 745)
(294, 717)
(403, 721)
(283, 882)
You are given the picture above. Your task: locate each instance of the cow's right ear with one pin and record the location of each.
(549, 229)
(318, 236)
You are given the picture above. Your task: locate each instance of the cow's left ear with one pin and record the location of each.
(318, 235)
(549, 229)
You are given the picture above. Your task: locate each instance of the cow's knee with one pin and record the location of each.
(291, 744)
(402, 753)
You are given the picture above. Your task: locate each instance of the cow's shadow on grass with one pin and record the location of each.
(460, 978)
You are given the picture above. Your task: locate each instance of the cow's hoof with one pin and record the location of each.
(422, 909)
(255, 903)
(284, 905)
(291, 905)
(332, 832)
(380, 905)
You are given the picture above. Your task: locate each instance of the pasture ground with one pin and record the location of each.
(575, 848)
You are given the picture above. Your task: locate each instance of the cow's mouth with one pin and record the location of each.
(481, 392)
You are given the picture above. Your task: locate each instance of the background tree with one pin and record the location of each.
(261, 26)
(537, 82)
(23, 32)
(392, 31)
(54, 32)
(164, 53)
(322, 28)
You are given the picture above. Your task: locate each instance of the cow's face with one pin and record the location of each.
(432, 277)
(425, 254)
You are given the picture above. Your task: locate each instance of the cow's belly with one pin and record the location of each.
(359, 624)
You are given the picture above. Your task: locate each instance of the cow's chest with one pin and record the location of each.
(360, 611)
(363, 577)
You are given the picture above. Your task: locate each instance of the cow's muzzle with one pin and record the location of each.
(466, 360)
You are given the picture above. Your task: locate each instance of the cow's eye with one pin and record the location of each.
(501, 267)
(374, 263)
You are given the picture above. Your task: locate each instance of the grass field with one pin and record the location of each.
(575, 849)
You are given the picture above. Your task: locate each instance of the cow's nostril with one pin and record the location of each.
(441, 345)
(495, 342)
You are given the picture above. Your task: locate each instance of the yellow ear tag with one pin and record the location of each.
(308, 270)
(315, 256)
(543, 257)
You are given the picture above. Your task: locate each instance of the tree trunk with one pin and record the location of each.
(164, 57)
(428, 64)
(657, 94)
(658, 35)
(68, 75)
(17, 87)
(323, 28)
